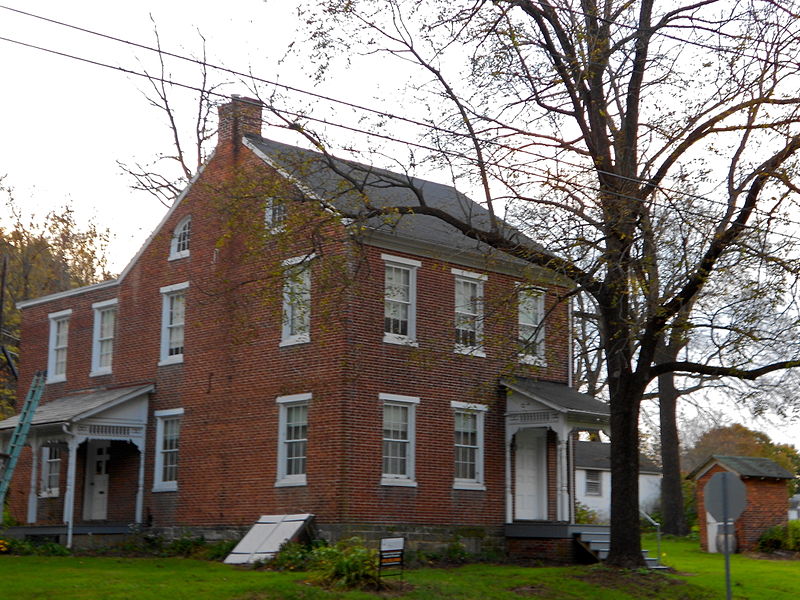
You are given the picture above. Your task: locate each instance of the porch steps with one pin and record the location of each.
(20, 433)
(596, 543)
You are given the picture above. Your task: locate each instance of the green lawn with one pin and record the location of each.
(701, 577)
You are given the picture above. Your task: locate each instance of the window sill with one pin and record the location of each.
(469, 485)
(399, 340)
(295, 340)
(179, 255)
(291, 481)
(169, 486)
(56, 379)
(391, 481)
(470, 351)
(536, 361)
(49, 494)
(171, 360)
(100, 372)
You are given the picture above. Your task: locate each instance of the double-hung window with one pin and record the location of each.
(531, 325)
(469, 312)
(398, 439)
(59, 338)
(51, 471)
(400, 300)
(105, 318)
(292, 439)
(296, 321)
(179, 245)
(468, 445)
(594, 482)
(173, 314)
(168, 433)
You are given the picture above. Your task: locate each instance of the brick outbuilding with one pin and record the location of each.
(263, 353)
(767, 498)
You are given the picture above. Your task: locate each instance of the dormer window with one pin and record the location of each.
(179, 247)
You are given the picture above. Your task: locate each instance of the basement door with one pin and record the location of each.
(95, 497)
(530, 475)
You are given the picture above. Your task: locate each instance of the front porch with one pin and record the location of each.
(86, 465)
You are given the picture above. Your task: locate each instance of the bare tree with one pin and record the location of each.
(587, 116)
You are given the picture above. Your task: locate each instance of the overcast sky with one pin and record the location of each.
(66, 123)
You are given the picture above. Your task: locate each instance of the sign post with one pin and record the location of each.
(725, 499)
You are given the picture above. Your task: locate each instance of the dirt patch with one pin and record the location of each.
(777, 555)
(534, 591)
(639, 584)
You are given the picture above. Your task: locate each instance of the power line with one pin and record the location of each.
(404, 142)
(381, 113)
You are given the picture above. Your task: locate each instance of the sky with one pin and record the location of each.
(66, 123)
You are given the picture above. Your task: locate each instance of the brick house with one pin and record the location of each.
(767, 497)
(263, 354)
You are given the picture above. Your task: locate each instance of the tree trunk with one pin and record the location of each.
(674, 521)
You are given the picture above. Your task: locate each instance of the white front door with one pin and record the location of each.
(95, 498)
(530, 475)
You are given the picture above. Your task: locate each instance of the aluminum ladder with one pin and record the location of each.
(20, 434)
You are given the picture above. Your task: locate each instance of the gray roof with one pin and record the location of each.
(73, 408)
(346, 189)
(746, 466)
(557, 395)
(597, 455)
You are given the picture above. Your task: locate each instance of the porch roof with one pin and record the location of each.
(70, 409)
(558, 397)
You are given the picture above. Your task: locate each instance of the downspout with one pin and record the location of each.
(69, 499)
(571, 345)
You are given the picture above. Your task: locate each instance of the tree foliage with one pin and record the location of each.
(44, 256)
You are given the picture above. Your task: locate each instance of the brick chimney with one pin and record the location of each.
(238, 117)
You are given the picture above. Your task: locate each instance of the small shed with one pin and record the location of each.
(767, 498)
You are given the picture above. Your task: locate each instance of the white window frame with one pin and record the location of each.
(100, 309)
(296, 293)
(411, 266)
(538, 358)
(275, 213)
(55, 345)
(478, 279)
(597, 485)
(284, 403)
(51, 469)
(479, 412)
(168, 292)
(159, 485)
(409, 402)
(180, 243)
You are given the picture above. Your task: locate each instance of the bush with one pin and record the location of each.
(347, 565)
(585, 515)
(292, 557)
(28, 548)
(781, 537)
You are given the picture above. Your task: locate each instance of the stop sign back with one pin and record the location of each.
(725, 496)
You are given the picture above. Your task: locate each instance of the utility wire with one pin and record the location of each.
(386, 137)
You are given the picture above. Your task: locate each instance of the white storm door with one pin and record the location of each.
(530, 475)
(95, 503)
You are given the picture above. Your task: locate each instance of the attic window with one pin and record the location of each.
(179, 247)
(594, 482)
(274, 214)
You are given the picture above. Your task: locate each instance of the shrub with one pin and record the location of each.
(585, 515)
(347, 565)
(773, 539)
(219, 550)
(28, 548)
(292, 557)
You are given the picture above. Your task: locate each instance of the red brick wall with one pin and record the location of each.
(767, 505)
(234, 369)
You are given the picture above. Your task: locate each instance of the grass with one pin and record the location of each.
(700, 577)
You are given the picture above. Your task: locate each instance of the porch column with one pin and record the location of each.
(509, 496)
(562, 508)
(140, 485)
(69, 493)
(33, 495)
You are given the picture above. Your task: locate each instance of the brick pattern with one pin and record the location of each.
(767, 506)
(234, 368)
